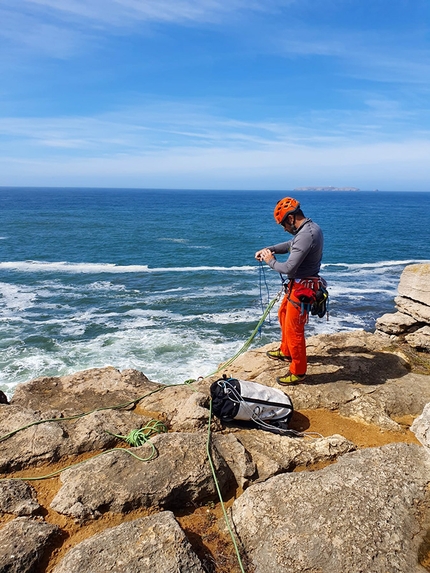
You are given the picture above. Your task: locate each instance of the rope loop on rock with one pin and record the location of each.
(140, 436)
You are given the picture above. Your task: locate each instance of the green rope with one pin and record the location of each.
(83, 414)
(139, 437)
(57, 472)
(219, 491)
(135, 438)
(254, 333)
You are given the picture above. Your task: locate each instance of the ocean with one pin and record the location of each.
(165, 281)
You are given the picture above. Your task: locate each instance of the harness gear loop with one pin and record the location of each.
(311, 292)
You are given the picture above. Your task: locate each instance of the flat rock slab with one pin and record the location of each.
(178, 476)
(23, 544)
(274, 454)
(395, 323)
(362, 514)
(83, 391)
(155, 543)
(50, 441)
(417, 310)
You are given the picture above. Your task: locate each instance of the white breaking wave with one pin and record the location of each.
(65, 267)
(377, 265)
(15, 299)
(68, 267)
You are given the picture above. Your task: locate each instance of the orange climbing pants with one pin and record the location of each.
(292, 317)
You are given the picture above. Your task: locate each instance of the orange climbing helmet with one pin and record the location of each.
(284, 207)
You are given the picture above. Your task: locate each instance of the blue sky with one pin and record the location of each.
(215, 94)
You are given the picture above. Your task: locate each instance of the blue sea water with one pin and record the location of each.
(166, 281)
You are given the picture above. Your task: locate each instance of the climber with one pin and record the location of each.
(302, 271)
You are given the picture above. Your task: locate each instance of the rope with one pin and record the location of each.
(139, 437)
(83, 414)
(135, 438)
(261, 278)
(253, 335)
(208, 452)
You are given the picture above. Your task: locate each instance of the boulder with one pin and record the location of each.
(50, 441)
(17, 498)
(178, 476)
(421, 427)
(184, 408)
(417, 310)
(238, 459)
(155, 543)
(24, 543)
(364, 513)
(40, 443)
(274, 453)
(420, 339)
(83, 391)
(415, 283)
(413, 306)
(396, 323)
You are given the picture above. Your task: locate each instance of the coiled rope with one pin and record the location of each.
(139, 437)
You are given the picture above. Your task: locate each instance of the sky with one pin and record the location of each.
(215, 94)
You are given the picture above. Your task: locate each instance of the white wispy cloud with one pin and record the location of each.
(63, 28)
(280, 167)
(175, 125)
(124, 12)
(385, 56)
(180, 146)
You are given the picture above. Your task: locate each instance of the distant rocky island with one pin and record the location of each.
(326, 189)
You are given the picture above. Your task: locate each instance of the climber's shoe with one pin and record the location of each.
(278, 355)
(290, 379)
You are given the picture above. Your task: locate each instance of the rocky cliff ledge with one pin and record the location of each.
(356, 498)
(411, 322)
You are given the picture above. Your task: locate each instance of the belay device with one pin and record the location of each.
(267, 407)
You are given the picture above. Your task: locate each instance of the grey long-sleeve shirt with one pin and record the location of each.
(305, 248)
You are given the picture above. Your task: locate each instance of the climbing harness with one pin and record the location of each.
(311, 292)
